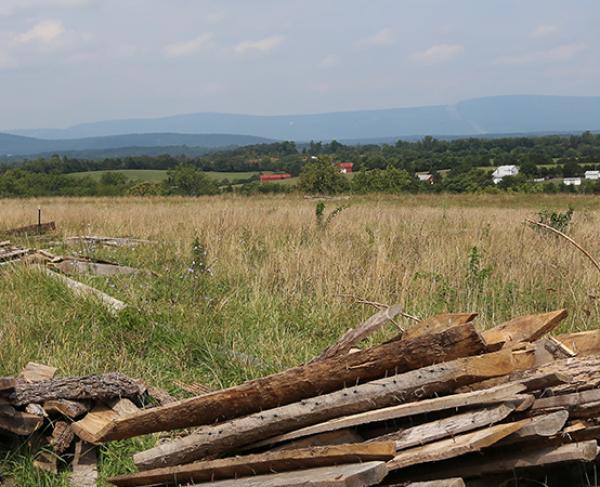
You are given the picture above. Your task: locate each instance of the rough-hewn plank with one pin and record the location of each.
(301, 382)
(540, 426)
(352, 475)
(448, 427)
(224, 437)
(523, 329)
(98, 387)
(259, 464)
(503, 393)
(583, 342)
(437, 323)
(454, 447)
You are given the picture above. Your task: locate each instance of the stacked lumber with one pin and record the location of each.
(456, 404)
(442, 404)
(46, 409)
(11, 254)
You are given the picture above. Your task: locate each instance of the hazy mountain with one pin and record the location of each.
(502, 114)
(119, 145)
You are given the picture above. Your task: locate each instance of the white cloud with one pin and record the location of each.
(262, 45)
(544, 30)
(188, 47)
(329, 61)
(45, 32)
(10, 7)
(439, 53)
(561, 53)
(385, 37)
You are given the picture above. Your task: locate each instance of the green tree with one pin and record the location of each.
(323, 177)
(189, 181)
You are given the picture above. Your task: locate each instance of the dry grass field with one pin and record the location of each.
(280, 286)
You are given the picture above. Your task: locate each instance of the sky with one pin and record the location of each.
(64, 62)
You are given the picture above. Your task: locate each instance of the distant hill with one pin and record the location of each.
(481, 116)
(123, 145)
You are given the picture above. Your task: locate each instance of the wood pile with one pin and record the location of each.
(442, 404)
(11, 254)
(46, 409)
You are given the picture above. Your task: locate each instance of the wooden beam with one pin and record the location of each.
(523, 329)
(545, 425)
(454, 447)
(583, 342)
(351, 475)
(427, 381)
(456, 482)
(300, 383)
(259, 464)
(448, 427)
(504, 393)
(74, 266)
(437, 323)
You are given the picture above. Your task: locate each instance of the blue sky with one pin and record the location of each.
(68, 61)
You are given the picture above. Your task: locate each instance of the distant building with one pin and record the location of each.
(274, 177)
(539, 180)
(345, 167)
(426, 178)
(593, 175)
(572, 181)
(502, 172)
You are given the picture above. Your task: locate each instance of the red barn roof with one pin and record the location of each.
(274, 177)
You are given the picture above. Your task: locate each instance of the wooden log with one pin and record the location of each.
(85, 470)
(62, 437)
(355, 335)
(507, 392)
(523, 329)
(112, 304)
(339, 437)
(34, 372)
(37, 229)
(567, 400)
(454, 447)
(98, 387)
(507, 460)
(262, 463)
(351, 475)
(21, 424)
(13, 255)
(69, 409)
(108, 241)
(545, 425)
(91, 424)
(421, 383)
(74, 266)
(448, 427)
(300, 382)
(437, 323)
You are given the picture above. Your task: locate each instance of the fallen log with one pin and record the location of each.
(523, 329)
(113, 305)
(300, 382)
(437, 323)
(504, 393)
(98, 387)
(263, 463)
(351, 475)
(454, 447)
(420, 383)
(108, 241)
(74, 266)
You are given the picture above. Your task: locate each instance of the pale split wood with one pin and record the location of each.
(302, 382)
(67, 408)
(85, 470)
(92, 423)
(583, 342)
(355, 335)
(455, 482)
(34, 372)
(523, 329)
(545, 425)
(258, 464)
(420, 383)
(351, 475)
(437, 323)
(454, 447)
(112, 304)
(448, 427)
(338, 437)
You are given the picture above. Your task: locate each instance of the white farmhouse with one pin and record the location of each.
(504, 171)
(572, 181)
(593, 175)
